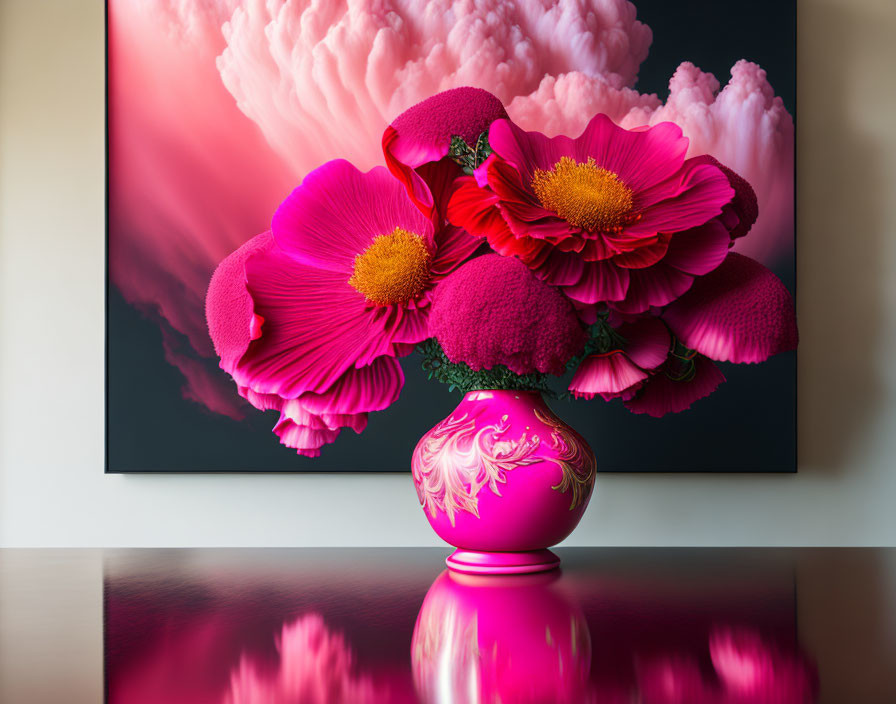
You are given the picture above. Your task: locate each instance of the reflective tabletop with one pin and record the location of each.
(358, 626)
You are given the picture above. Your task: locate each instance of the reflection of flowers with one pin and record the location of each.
(316, 667)
(309, 321)
(613, 216)
(748, 670)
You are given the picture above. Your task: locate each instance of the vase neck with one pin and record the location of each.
(502, 394)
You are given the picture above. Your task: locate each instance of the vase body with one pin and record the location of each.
(502, 479)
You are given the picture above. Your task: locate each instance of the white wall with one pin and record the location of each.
(52, 488)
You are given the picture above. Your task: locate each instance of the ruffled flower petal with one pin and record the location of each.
(374, 387)
(652, 288)
(474, 209)
(306, 441)
(312, 420)
(316, 327)
(232, 323)
(661, 395)
(699, 250)
(689, 199)
(606, 374)
(744, 207)
(527, 151)
(453, 247)
(740, 312)
(639, 157)
(337, 211)
(601, 281)
(647, 341)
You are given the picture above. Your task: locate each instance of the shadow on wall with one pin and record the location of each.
(840, 225)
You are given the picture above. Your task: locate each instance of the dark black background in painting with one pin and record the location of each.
(748, 424)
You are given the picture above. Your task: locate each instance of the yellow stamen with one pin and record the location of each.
(393, 269)
(584, 195)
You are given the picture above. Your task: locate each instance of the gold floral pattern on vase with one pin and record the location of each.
(457, 458)
(575, 459)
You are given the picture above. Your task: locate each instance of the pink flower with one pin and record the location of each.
(311, 420)
(683, 379)
(417, 142)
(309, 321)
(493, 311)
(614, 216)
(741, 213)
(739, 312)
(642, 346)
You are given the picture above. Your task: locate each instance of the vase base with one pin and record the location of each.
(476, 562)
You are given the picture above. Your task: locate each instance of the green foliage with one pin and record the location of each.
(601, 339)
(470, 157)
(459, 376)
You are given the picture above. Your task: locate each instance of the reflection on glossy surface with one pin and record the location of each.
(358, 628)
(500, 639)
(746, 670)
(316, 667)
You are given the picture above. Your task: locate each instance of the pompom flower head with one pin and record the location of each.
(418, 140)
(616, 216)
(741, 312)
(309, 320)
(493, 311)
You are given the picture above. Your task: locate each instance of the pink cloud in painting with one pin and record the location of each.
(190, 179)
(322, 80)
(745, 126)
(219, 109)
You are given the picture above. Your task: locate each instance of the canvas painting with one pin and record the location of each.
(327, 222)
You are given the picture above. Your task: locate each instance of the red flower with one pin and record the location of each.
(615, 216)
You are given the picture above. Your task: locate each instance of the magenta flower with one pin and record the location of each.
(416, 143)
(740, 312)
(493, 311)
(642, 346)
(311, 420)
(683, 379)
(741, 213)
(309, 322)
(614, 216)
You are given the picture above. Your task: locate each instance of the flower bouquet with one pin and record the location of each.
(509, 260)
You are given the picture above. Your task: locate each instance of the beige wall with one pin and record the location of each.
(53, 491)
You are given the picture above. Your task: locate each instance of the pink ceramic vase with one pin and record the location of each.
(503, 479)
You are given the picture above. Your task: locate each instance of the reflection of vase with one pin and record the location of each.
(502, 479)
(500, 639)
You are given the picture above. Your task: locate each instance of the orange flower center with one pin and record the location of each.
(584, 195)
(393, 269)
